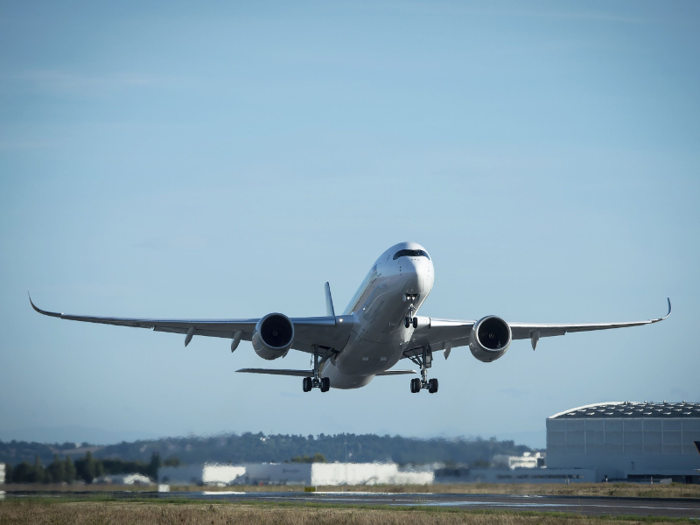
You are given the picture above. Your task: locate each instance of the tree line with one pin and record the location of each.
(85, 469)
(259, 447)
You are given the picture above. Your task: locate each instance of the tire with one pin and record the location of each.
(308, 385)
(433, 388)
(415, 322)
(406, 322)
(325, 384)
(415, 385)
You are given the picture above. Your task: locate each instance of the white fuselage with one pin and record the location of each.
(378, 312)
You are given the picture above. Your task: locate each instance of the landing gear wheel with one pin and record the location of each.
(433, 386)
(415, 322)
(407, 322)
(308, 384)
(415, 385)
(325, 384)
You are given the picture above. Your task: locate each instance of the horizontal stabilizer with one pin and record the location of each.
(396, 372)
(277, 372)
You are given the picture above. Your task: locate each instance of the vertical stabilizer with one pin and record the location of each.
(330, 311)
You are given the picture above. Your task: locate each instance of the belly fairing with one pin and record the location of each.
(345, 381)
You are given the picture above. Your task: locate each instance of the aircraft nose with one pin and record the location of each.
(417, 272)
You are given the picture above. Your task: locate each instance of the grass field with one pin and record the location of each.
(57, 512)
(673, 490)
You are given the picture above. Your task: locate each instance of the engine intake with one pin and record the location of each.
(490, 338)
(273, 336)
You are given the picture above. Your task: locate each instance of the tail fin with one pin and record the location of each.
(330, 311)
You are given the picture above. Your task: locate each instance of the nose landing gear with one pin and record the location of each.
(425, 361)
(410, 320)
(309, 383)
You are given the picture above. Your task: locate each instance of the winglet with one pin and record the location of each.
(669, 309)
(665, 316)
(330, 311)
(43, 312)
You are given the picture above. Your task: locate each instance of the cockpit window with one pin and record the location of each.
(411, 253)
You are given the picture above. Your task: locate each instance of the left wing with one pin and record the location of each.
(445, 334)
(323, 332)
(535, 331)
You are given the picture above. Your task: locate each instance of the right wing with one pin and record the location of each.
(445, 334)
(323, 332)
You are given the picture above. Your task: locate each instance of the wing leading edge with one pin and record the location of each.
(445, 334)
(323, 332)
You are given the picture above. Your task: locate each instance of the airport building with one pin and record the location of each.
(627, 441)
(309, 474)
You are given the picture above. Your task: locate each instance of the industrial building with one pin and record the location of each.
(309, 474)
(627, 441)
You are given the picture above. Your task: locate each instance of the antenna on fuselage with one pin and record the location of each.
(330, 311)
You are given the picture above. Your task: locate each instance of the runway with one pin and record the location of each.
(583, 505)
(589, 506)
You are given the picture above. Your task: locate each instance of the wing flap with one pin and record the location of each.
(396, 372)
(277, 372)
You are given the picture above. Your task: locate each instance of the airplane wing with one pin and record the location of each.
(309, 373)
(445, 334)
(323, 332)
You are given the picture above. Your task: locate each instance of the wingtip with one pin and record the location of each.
(43, 312)
(669, 307)
(31, 302)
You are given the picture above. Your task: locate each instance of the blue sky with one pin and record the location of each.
(163, 159)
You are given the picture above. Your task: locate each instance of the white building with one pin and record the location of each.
(2, 473)
(627, 441)
(527, 460)
(123, 479)
(308, 474)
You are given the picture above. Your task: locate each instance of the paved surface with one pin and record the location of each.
(591, 506)
(585, 505)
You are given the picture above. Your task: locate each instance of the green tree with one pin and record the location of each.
(56, 471)
(39, 475)
(22, 473)
(153, 466)
(175, 462)
(9, 471)
(69, 469)
(86, 467)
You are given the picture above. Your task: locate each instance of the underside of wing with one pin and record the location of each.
(328, 334)
(277, 372)
(445, 334)
(535, 331)
(440, 334)
(396, 372)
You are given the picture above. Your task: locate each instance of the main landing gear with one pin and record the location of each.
(425, 361)
(323, 383)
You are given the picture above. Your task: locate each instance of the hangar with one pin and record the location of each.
(627, 440)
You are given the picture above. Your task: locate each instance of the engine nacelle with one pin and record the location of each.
(273, 336)
(490, 338)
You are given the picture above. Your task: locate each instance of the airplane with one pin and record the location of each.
(379, 328)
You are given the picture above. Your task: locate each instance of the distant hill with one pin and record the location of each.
(252, 448)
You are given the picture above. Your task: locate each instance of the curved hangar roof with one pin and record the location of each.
(630, 409)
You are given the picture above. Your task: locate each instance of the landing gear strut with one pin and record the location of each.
(425, 361)
(410, 320)
(323, 383)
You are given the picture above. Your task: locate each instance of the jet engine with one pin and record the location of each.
(273, 336)
(490, 338)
